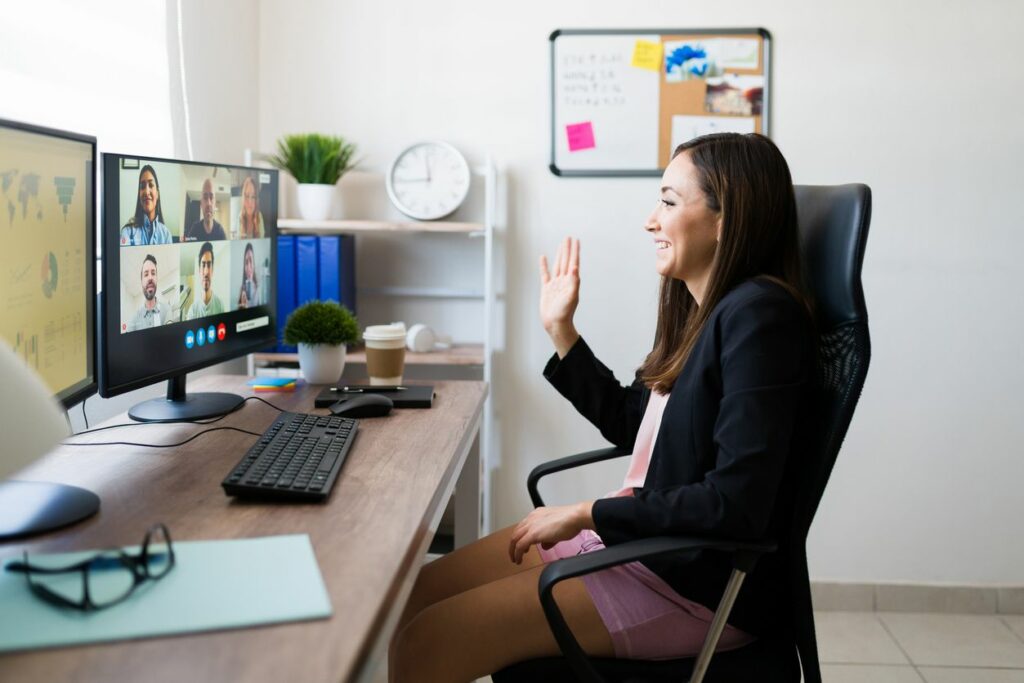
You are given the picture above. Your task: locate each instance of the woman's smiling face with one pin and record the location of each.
(684, 228)
(149, 195)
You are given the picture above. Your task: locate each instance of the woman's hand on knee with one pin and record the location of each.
(548, 526)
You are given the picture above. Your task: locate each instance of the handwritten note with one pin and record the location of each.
(647, 55)
(592, 79)
(581, 136)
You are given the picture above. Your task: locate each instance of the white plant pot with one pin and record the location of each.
(321, 363)
(315, 201)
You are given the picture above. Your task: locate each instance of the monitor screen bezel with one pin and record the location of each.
(111, 191)
(80, 391)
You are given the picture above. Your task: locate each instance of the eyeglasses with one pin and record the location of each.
(106, 578)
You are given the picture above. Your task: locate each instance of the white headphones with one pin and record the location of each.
(422, 339)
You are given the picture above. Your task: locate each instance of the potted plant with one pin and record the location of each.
(321, 330)
(316, 162)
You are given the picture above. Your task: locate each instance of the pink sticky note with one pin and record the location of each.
(581, 136)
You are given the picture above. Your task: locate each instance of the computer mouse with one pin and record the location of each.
(363, 405)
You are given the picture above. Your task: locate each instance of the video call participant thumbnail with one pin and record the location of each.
(206, 227)
(147, 225)
(150, 283)
(153, 312)
(248, 267)
(249, 220)
(204, 301)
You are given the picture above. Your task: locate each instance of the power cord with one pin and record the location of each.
(194, 422)
(84, 416)
(163, 445)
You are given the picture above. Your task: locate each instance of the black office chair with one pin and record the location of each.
(833, 232)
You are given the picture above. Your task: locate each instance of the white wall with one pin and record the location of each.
(922, 104)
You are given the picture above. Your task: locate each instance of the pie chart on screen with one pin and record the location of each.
(49, 274)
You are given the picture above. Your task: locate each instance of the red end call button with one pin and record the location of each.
(222, 331)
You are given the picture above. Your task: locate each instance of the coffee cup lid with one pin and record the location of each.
(385, 332)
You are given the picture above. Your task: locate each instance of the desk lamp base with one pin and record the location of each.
(28, 508)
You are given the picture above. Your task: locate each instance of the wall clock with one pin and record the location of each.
(428, 180)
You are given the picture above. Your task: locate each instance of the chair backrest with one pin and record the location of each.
(833, 224)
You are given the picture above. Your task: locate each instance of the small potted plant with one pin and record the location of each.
(322, 330)
(316, 162)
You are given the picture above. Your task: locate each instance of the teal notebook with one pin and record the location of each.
(214, 585)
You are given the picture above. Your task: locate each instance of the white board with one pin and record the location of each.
(594, 82)
(622, 99)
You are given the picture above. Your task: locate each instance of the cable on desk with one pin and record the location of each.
(84, 416)
(184, 422)
(257, 398)
(162, 445)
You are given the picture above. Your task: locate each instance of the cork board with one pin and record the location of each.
(622, 100)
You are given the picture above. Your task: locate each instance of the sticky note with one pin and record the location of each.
(581, 136)
(271, 381)
(647, 55)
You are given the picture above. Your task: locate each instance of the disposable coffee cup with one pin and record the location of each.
(385, 353)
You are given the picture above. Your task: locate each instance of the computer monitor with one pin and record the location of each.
(189, 267)
(47, 310)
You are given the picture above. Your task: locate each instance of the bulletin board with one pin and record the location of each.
(622, 100)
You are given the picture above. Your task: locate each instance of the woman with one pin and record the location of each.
(718, 411)
(147, 225)
(250, 220)
(249, 293)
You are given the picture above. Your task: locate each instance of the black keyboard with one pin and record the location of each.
(298, 457)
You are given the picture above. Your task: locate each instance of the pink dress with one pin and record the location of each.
(645, 617)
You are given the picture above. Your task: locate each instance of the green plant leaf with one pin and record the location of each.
(321, 322)
(314, 158)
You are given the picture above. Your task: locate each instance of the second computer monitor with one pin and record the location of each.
(189, 263)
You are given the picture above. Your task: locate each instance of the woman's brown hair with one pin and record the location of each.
(744, 179)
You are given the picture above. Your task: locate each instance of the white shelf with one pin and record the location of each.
(334, 227)
(464, 355)
(423, 292)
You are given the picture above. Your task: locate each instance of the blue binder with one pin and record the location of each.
(286, 293)
(338, 271)
(307, 274)
(311, 267)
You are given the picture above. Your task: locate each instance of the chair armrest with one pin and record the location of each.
(745, 557)
(568, 463)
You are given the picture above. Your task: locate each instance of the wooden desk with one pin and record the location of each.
(369, 537)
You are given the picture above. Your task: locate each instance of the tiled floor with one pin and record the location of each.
(894, 647)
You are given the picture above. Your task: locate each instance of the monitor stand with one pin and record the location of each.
(182, 407)
(28, 508)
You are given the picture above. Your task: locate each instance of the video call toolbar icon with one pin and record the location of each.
(211, 334)
(190, 339)
(201, 336)
(222, 331)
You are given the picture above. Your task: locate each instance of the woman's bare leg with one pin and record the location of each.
(480, 562)
(478, 631)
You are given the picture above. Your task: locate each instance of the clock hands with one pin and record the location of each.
(419, 179)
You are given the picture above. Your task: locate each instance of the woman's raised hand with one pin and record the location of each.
(560, 294)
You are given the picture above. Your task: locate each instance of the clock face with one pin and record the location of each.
(428, 180)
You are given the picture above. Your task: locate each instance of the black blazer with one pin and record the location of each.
(737, 418)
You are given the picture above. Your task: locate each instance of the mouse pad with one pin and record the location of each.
(411, 396)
